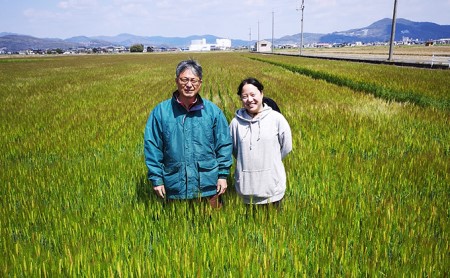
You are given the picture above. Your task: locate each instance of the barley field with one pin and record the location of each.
(368, 179)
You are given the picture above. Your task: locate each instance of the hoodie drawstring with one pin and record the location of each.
(244, 117)
(249, 128)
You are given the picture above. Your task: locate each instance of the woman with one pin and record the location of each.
(261, 139)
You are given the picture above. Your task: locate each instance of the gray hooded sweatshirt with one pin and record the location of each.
(259, 145)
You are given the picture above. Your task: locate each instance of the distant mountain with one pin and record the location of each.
(15, 43)
(88, 42)
(295, 39)
(380, 31)
(126, 39)
(129, 39)
(2, 34)
(377, 32)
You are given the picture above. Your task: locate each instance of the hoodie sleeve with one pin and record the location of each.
(284, 136)
(233, 127)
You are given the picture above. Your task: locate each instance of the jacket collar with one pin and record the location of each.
(198, 105)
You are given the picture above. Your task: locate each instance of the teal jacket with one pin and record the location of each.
(187, 151)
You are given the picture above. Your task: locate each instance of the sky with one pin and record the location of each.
(234, 19)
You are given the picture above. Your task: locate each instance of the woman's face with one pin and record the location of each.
(251, 99)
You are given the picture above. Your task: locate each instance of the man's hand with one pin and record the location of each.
(221, 186)
(160, 191)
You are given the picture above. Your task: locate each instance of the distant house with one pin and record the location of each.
(443, 41)
(322, 45)
(263, 46)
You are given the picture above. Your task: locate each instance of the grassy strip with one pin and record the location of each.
(377, 91)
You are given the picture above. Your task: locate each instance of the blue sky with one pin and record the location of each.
(235, 19)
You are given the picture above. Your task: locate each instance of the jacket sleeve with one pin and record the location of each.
(223, 145)
(153, 146)
(284, 137)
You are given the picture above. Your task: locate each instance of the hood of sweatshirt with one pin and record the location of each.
(252, 122)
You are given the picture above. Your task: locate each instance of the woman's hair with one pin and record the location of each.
(252, 81)
(192, 65)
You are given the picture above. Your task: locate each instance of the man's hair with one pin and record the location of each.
(192, 65)
(252, 81)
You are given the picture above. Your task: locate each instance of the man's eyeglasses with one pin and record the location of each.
(194, 81)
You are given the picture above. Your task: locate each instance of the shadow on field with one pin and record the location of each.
(144, 192)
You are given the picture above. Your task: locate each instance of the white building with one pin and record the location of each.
(201, 45)
(223, 44)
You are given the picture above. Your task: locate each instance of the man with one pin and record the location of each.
(187, 143)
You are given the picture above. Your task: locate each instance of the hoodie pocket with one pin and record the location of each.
(258, 183)
(208, 172)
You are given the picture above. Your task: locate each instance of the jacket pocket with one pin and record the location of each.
(208, 172)
(172, 176)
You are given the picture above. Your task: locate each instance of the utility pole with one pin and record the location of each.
(391, 46)
(302, 7)
(257, 43)
(250, 39)
(273, 28)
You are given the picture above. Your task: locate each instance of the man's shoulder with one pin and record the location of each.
(163, 103)
(207, 102)
(166, 102)
(211, 105)
(161, 108)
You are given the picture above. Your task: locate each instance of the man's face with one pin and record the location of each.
(188, 85)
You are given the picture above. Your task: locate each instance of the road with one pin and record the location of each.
(425, 59)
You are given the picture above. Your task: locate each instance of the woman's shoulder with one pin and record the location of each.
(277, 118)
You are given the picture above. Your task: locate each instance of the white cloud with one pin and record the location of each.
(77, 4)
(34, 15)
(134, 9)
(322, 3)
(164, 4)
(254, 2)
